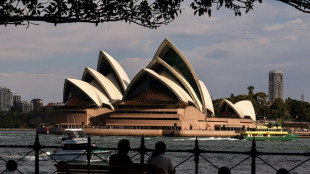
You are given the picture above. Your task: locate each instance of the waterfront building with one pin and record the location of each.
(90, 100)
(275, 86)
(24, 106)
(16, 98)
(241, 109)
(233, 116)
(165, 95)
(6, 99)
(37, 103)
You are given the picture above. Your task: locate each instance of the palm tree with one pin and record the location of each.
(251, 88)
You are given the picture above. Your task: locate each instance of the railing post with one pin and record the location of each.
(253, 156)
(88, 150)
(36, 148)
(196, 153)
(142, 150)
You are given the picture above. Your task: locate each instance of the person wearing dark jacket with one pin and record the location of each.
(121, 158)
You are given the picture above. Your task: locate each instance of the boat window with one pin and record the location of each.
(73, 134)
(81, 134)
(69, 134)
(75, 146)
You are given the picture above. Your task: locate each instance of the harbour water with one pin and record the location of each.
(26, 165)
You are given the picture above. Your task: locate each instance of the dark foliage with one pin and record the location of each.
(34, 119)
(151, 14)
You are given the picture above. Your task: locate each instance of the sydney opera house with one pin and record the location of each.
(166, 95)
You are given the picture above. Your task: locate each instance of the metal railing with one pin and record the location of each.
(253, 155)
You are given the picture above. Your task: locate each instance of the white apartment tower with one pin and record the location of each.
(6, 99)
(275, 89)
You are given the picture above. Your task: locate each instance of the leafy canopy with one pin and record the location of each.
(151, 14)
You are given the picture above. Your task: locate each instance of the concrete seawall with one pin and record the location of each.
(148, 132)
(303, 134)
(16, 129)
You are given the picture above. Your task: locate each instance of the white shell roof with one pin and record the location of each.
(176, 89)
(184, 82)
(242, 108)
(110, 81)
(207, 97)
(93, 93)
(166, 44)
(117, 68)
(247, 108)
(236, 109)
(113, 93)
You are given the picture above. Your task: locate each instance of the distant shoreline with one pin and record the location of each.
(115, 132)
(16, 129)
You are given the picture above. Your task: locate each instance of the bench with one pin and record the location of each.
(83, 168)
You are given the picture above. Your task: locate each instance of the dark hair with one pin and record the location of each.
(123, 145)
(160, 148)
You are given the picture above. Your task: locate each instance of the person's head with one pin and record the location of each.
(123, 146)
(160, 148)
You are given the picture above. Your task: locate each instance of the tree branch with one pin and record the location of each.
(140, 12)
(301, 5)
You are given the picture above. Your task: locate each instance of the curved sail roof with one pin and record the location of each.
(174, 88)
(242, 108)
(225, 103)
(173, 56)
(112, 92)
(111, 69)
(247, 108)
(207, 97)
(169, 69)
(178, 78)
(90, 91)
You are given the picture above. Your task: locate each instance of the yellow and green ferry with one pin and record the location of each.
(269, 132)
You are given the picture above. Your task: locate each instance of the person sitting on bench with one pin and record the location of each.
(121, 158)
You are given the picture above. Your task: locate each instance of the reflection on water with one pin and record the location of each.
(26, 164)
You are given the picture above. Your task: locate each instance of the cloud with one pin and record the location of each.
(280, 26)
(218, 54)
(290, 37)
(4, 74)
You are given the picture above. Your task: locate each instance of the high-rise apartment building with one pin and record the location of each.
(16, 98)
(6, 99)
(24, 106)
(275, 89)
(37, 103)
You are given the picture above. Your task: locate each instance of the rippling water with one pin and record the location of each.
(26, 164)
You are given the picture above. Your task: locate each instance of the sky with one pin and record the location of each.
(228, 53)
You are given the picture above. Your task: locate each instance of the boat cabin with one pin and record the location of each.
(73, 133)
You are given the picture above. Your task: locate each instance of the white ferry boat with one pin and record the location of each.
(74, 145)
